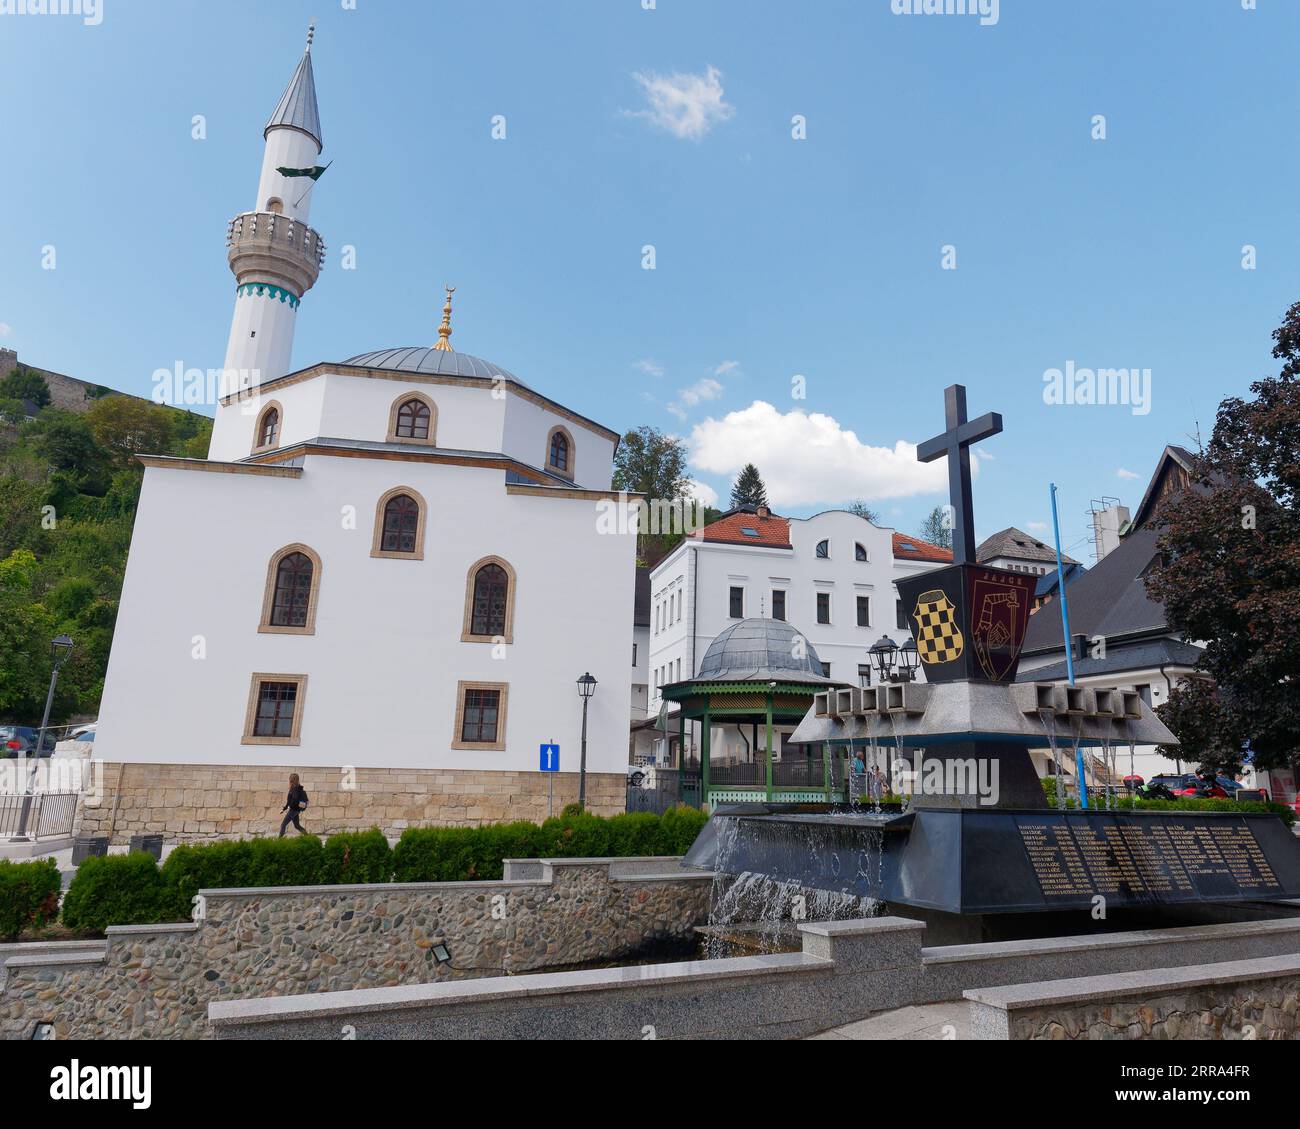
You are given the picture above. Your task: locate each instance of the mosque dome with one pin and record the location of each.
(760, 650)
(432, 362)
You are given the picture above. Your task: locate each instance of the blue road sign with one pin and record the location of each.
(550, 758)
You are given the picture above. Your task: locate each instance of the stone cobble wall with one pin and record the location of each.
(155, 982)
(1238, 1011)
(197, 802)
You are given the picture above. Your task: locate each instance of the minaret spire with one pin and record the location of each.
(444, 330)
(275, 256)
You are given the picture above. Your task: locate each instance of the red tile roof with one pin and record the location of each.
(773, 531)
(914, 549)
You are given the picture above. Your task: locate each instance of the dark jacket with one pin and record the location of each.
(297, 796)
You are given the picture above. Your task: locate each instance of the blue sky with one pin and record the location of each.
(775, 257)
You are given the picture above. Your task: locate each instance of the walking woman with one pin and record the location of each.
(295, 804)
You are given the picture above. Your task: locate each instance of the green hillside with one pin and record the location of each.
(69, 483)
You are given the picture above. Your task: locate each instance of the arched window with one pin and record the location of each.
(399, 525)
(488, 611)
(267, 433)
(489, 602)
(413, 419)
(560, 452)
(292, 586)
(859, 551)
(275, 206)
(823, 550)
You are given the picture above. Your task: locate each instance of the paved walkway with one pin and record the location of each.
(949, 1020)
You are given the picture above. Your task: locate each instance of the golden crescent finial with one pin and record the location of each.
(444, 330)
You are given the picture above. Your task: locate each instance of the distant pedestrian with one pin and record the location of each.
(877, 785)
(295, 804)
(857, 776)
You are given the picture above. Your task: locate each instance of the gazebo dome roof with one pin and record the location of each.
(759, 650)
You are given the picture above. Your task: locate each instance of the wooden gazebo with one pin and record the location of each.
(758, 673)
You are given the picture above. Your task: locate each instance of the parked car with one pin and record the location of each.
(20, 740)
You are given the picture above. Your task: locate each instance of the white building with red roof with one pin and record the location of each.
(831, 576)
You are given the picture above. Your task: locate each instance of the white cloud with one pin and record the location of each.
(697, 393)
(1037, 526)
(1122, 473)
(649, 367)
(703, 491)
(726, 368)
(5, 329)
(808, 458)
(685, 105)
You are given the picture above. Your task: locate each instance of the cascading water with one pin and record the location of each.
(760, 912)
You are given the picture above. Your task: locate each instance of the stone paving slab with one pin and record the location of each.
(949, 1020)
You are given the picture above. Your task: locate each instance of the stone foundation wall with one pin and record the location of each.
(193, 802)
(155, 982)
(1246, 1011)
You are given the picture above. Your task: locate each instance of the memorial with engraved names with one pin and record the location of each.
(978, 835)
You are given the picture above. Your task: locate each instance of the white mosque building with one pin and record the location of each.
(370, 581)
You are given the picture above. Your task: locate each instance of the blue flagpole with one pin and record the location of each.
(1069, 642)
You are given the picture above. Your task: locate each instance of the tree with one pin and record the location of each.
(864, 511)
(1229, 570)
(653, 464)
(25, 384)
(1195, 714)
(26, 629)
(936, 528)
(749, 489)
(126, 427)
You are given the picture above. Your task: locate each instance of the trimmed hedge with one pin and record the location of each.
(465, 854)
(134, 890)
(116, 890)
(356, 857)
(29, 896)
(236, 864)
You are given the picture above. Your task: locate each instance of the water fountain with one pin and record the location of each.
(979, 837)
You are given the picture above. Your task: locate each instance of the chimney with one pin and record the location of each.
(763, 512)
(1107, 521)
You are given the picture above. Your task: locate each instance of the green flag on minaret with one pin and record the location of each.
(315, 173)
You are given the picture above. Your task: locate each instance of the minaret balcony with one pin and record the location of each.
(271, 248)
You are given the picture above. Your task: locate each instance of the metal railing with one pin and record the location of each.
(38, 815)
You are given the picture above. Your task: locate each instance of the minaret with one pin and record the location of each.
(275, 257)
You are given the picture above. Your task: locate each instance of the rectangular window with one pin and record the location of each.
(902, 616)
(823, 607)
(480, 716)
(826, 670)
(778, 604)
(864, 675)
(737, 603)
(275, 703)
(634, 654)
(864, 611)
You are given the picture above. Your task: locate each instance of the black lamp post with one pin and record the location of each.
(883, 653)
(909, 660)
(60, 650)
(586, 688)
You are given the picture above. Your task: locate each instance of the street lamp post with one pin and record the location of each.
(586, 688)
(60, 650)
